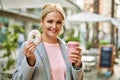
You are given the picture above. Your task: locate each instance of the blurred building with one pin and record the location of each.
(27, 13)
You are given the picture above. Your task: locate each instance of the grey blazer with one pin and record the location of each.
(41, 70)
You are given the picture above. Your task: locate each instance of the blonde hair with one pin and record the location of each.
(50, 7)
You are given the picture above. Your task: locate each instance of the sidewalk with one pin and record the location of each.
(92, 75)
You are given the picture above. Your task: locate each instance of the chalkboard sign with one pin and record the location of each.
(106, 56)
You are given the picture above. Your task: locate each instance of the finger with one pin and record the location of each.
(28, 45)
(79, 49)
(32, 48)
(29, 50)
(76, 60)
(75, 56)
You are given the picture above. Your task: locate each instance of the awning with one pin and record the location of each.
(116, 22)
(87, 17)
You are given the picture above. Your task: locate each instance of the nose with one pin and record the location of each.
(54, 25)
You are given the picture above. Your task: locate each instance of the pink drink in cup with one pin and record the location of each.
(72, 47)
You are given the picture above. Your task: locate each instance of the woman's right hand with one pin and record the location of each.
(29, 52)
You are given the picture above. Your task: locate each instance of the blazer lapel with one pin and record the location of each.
(44, 58)
(65, 56)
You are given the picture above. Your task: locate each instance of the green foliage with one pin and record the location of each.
(103, 42)
(71, 38)
(11, 43)
(61, 35)
(88, 45)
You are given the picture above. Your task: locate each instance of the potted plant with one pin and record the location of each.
(103, 42)
(88, 45)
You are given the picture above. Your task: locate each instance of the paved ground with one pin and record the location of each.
(92, 75)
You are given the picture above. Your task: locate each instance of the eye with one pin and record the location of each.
(49, 21)
(59, 22)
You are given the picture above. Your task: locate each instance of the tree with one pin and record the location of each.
(10, 44)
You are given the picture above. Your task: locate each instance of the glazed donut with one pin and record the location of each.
(34, 35)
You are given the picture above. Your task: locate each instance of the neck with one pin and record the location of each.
(47, 39)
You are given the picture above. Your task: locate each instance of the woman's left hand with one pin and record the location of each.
(76, 57)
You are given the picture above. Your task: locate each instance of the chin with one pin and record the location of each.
(53, 35)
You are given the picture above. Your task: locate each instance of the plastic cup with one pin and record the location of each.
(72, 47)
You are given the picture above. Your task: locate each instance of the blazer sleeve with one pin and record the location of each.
(77, 74)
(23, 71)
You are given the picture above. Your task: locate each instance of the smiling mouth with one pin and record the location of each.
(53, 31)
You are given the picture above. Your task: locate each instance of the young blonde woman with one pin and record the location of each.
(48, 60)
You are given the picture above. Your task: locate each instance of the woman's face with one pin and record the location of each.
(52, 24)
